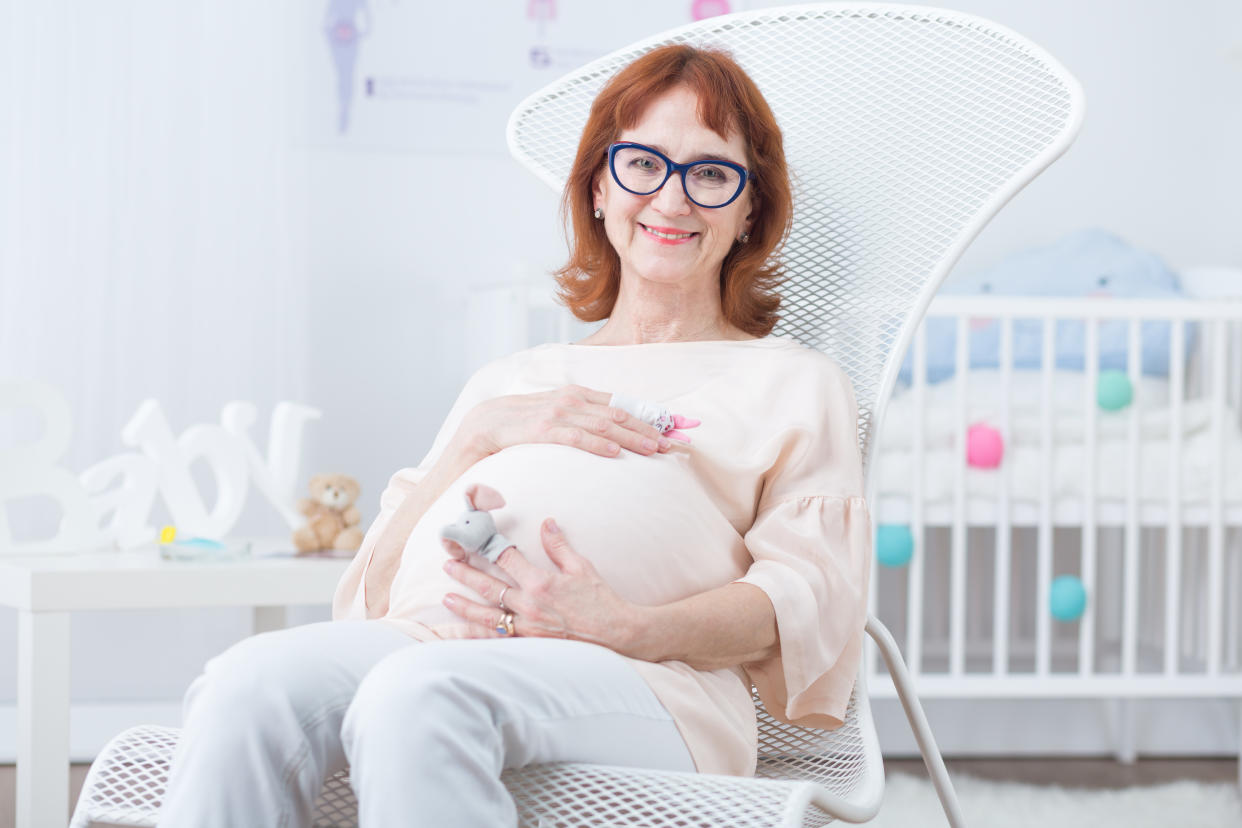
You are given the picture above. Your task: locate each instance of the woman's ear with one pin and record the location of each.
(752, 214)
(483, 498)
(597, 191)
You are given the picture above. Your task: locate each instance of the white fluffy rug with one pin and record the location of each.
(911, 803)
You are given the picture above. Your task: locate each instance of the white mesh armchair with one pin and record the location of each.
(906, 129)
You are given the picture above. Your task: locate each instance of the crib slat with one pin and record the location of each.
(1086, 628)
(1232, 644)
(1173, 537)
(1235, 360)
(1215, 576)
(1043, 619)
(1130, 599)
(1000, 588)
(871, 654)
(957, 566)
(1233, 625)
(916, 571)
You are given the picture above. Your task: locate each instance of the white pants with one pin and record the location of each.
(425, 729)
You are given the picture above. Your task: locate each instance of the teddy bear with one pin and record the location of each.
(331, 517)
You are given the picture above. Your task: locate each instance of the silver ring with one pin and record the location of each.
(501, 599)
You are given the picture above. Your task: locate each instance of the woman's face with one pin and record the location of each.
(702, 236)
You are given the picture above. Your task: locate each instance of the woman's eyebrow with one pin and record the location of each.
(699, 156)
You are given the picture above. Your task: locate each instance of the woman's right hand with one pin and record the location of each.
(572, 416)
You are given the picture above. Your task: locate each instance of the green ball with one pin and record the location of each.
(1113, 390)
(894, 544)
(1067, 600)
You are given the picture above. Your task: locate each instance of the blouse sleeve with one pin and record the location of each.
(811, 545)
(350, 601)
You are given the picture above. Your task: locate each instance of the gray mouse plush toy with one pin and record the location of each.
(475, 531)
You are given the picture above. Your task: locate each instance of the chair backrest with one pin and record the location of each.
(906, 129)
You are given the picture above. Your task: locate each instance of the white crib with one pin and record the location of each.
(1162, 569)
(1161, 560)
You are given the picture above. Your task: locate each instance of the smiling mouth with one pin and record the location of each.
(661, 234)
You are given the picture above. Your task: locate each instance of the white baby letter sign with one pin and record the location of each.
(31, 470)
(160, 466)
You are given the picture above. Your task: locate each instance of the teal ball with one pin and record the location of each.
(1068, 598)
(894, 544)
(1113, 390)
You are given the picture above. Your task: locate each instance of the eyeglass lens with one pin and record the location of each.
(641, 172)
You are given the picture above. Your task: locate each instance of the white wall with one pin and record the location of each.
(150, 245)
(348, 266)
(1154, 160)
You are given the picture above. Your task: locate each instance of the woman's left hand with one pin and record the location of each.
(573, 602)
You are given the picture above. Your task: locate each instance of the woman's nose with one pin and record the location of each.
(671, 200)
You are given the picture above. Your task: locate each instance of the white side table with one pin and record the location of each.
(46, 588)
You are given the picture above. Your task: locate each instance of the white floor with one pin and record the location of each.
(910, 802)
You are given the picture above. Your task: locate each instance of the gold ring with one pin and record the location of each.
(501, 600)
(505, 625)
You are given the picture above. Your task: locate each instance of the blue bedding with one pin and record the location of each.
(1089, 262)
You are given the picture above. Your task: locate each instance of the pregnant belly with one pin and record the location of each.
(644, 522)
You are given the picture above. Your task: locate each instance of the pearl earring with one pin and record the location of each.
(745, 237)
(599, 214)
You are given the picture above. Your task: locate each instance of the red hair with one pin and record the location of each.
(729, 101)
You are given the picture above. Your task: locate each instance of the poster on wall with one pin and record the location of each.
(441, 77)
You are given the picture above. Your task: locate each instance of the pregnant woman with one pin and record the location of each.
(648, 582)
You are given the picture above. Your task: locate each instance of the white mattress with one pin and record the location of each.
(1024, 459)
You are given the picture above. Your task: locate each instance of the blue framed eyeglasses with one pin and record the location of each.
(641, 170)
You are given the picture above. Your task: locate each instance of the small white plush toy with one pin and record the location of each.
(656, 415)
(475, 531)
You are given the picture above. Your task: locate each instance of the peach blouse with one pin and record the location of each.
(769, 493)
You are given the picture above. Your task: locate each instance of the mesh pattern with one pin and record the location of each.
(337, 807)
(126, 784)
(905, 129)
(833, 759)
(594, 796)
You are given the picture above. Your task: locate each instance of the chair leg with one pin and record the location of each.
(918, 721)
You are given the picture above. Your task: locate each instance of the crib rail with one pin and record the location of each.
(1163, 577)
(1083, 308)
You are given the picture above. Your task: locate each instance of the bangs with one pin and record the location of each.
(721, 101)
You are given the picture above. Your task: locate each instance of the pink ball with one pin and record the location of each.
(984, 446)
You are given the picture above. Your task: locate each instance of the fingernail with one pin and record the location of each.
(664, 443)
(613, 448)
(450, 600)
(649, 445)
(552, 527)
(448, 566)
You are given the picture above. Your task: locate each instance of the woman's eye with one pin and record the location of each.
(714, 176)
